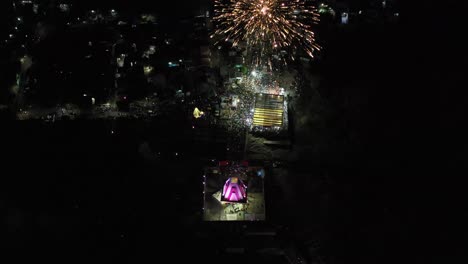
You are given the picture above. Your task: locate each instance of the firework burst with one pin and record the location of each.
(267, 25)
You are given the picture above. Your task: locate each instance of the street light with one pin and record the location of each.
(147, 69)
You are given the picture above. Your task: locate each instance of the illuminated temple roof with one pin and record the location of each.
(234, 191)
(225, 192)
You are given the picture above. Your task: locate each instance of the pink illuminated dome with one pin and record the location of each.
(234, 191)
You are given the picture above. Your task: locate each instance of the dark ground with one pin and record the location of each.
(81, 191)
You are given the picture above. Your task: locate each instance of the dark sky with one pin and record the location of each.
(172, 7)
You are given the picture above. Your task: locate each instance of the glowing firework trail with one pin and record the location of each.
(267, 24)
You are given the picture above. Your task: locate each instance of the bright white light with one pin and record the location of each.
(254, 73)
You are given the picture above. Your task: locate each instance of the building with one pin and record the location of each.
(234, 191)
(225, 192)
(269, 111)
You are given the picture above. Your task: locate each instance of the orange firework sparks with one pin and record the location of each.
(268, 25)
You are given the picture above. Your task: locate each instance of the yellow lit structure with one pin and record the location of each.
(269, 110)
(197, 113)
